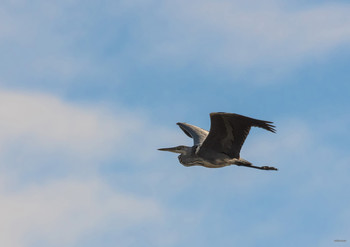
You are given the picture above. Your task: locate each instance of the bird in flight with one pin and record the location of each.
(220, 146)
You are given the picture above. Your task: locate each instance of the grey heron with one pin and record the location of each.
(220, 146)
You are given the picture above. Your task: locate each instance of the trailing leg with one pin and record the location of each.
(242, 162)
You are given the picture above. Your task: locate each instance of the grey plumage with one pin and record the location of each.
(220, 146)
(198, 134)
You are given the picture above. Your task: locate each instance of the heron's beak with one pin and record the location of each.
(174, 149)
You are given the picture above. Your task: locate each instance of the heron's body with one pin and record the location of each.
(221, 146)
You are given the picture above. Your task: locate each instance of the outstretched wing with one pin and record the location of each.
(198, 134)
(228, 132)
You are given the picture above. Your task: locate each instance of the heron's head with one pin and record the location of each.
(179, 149)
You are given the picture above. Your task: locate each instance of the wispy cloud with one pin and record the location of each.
(235, 34)
(59, 145)
(62, 212)
(40, 40)
(44, 121)
(52, 42)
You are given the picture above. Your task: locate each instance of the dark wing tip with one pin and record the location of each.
(267, 125)
(184, 130)
(180, 124)
(270, 127)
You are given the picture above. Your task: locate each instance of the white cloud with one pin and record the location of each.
(40, 40)
(61, 213)
(40, 133)
(61, 42)
(45, 121)
(236, 34)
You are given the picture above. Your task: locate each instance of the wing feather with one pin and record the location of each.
(228, 131)
(198, 134)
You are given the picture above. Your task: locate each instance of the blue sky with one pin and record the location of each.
(90, 89)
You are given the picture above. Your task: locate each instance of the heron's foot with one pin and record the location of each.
(269, 168)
